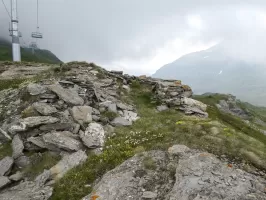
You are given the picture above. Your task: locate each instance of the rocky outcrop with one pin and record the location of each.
(188, 174)
(172, 93)
(229, 105)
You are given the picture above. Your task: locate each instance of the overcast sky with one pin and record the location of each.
(140, 36)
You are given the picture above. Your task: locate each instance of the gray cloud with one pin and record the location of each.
(105, 31)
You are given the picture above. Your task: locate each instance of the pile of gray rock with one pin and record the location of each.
(67, 116)
(179, 174)
(171, 93)
(229, 105)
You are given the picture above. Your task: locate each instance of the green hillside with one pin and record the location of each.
(41, 55)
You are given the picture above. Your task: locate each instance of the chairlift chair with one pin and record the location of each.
(37, 35)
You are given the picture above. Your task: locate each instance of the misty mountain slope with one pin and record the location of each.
(41, 55)
(213, 70)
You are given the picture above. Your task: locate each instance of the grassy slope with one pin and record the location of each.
(42, 56)
(159, 131)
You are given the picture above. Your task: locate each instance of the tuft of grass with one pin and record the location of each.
(110, 115)
(29, 112)
(40, 163)
(11, 83)
(5, 150)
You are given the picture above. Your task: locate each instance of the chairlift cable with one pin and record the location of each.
(6, 9)
(37, 14)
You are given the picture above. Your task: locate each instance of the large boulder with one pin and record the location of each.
(6, 165)
(187, 174)
(63, 140)
(67, 95)
(17, 146)
(128, 180)
(94, 136)
(27, 191)
(194, 103)
(44, 108)
(203, 176)
(82, 114)
(68, 162)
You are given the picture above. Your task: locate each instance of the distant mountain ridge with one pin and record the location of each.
(215, 70)
(40, 55)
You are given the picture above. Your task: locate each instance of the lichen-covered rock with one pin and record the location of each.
(67, 95)
(128, 180)
(94, 136)
(190, 175)
(68, 162)
(82, 114)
